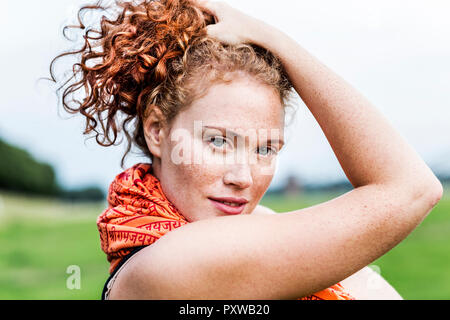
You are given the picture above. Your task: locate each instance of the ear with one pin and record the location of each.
(154, 130)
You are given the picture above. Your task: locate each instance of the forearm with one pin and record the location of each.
(368, 148)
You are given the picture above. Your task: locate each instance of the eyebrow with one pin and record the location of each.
(234, 134)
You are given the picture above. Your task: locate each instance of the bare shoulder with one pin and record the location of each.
(368, 284)
(195, 261)
(187, 262)
(160, 272)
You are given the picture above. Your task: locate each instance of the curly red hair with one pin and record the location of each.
(148, 55)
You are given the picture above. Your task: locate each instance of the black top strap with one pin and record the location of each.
(124, 259)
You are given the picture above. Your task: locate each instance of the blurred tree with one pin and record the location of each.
(20, 172)
(84, 194)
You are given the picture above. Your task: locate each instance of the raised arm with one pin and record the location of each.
(293, 254)
(369, 149)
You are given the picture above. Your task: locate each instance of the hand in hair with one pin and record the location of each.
(232, 26)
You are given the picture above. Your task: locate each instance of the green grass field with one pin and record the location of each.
(40, 238)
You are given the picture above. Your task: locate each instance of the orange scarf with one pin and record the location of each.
(139, 214)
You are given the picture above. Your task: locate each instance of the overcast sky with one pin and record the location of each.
(397, 53)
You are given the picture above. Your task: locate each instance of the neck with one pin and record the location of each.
(156, 167)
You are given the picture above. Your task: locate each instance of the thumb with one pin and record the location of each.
(213, 30)
(206, 5)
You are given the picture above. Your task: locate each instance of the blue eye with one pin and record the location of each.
(217, 141)
(266, 151)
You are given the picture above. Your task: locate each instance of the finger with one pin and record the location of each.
(208, 6)
(213, 31)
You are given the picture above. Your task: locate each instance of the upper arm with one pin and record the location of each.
(281, 256)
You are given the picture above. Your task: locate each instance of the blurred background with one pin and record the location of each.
(53, 181)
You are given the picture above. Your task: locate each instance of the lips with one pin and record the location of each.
(229, 205)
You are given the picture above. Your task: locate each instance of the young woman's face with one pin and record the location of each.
(223, 146)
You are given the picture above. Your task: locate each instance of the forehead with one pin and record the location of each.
(243, 103)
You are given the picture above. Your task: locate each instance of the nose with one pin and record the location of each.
(239, 175)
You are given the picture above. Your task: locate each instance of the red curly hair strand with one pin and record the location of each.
(151, 53)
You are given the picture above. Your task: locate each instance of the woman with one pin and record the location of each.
(206, 87)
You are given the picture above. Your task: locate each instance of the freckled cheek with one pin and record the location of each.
(262, 179)
(198, 176)
(208, 165)
(262, 184)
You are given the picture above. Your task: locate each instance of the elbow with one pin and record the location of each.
(431, 193)
(421, 195)
(436, 193)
